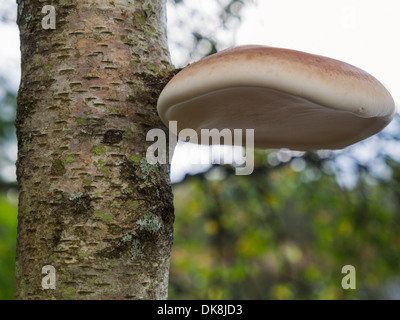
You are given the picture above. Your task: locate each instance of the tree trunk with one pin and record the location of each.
(90, 204)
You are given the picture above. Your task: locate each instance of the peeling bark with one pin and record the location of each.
(90, 205)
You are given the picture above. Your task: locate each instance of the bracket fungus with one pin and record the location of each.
(291, 99)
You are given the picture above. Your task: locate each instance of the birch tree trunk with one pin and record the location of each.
(90, 204)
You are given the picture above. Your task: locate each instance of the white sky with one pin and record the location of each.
(364, 33)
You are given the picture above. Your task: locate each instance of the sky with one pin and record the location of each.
(360, 32)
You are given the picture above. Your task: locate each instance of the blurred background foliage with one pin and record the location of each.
(284, 232)
(8, 191)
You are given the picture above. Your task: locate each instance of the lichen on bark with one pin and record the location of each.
(86, 101)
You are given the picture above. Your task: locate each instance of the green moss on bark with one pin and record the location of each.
(57, 168)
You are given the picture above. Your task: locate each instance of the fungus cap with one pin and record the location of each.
(290, 98)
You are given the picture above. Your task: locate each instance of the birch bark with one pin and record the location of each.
(90, 205)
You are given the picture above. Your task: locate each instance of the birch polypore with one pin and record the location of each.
(290, 98)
